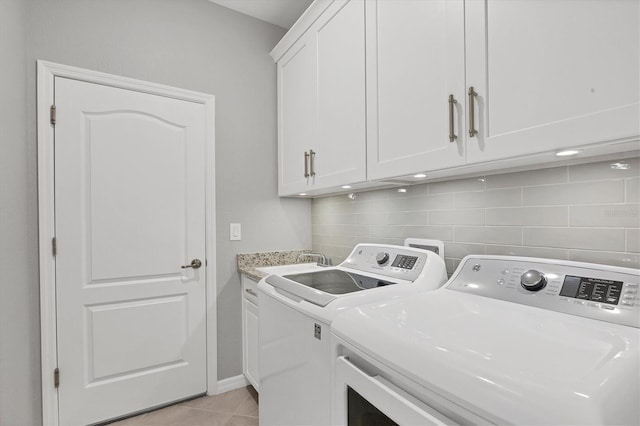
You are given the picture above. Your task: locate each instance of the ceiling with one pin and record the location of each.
(282, 13)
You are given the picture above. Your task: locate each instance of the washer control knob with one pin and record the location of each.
(382, 258)
(533, 280)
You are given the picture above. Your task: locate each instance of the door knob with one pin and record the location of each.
(195, 264)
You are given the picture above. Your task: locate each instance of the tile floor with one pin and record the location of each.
(238, 407)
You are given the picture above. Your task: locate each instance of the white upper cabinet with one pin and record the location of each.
(381, 89)
(551, 74)
(340, 157)
(297, 110)
(321, 103)
(415, 62)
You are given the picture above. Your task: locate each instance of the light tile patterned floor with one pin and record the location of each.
(238, 407)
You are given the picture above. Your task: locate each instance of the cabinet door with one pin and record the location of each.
(297, 102)
(415, 60)
(250, 343)
(341, 145)
(552, 74)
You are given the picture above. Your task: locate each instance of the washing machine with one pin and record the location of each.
(296, 312)
(507, 340)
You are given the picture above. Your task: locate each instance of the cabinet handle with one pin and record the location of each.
(452, 134)
(306, 164)
(251, 292)
(472, 112)
(313, 161)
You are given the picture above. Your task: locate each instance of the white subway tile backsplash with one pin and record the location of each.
(457, 217)
(574, 193)
(377, 218)
(392, 241)
(364, 206)
(490, 198)
(431, 202)
(322, 239)
(443, 233)
(459, 250)
(605, 239)
(605, 215)
(344, 240)
(584, 212)
(510, 235)
(545, 252)
(387, 205)
(604, 170)
(632, 190)
(384, 231)
(629, 260)
(328, 208)
(527, 178)
(458, 185)
(633, 240)
(413, 217)
(332, 219)
(531, 216)
(317, 229)
(355, 230)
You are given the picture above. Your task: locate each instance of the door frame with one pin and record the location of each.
(46, 73)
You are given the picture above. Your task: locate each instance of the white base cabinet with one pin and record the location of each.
(250, 348)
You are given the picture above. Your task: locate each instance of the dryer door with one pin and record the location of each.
(365, 399)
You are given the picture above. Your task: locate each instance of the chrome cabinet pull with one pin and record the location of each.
(472, 112)
(306, 164)
(313, 160)
(195, 264)
(251, 292)
(452, 134)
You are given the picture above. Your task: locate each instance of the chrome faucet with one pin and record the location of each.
(322, 259)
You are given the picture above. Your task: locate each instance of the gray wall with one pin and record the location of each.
(19, 296)
(192, 44)
(587, 212)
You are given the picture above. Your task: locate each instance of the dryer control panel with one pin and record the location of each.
(605, 293)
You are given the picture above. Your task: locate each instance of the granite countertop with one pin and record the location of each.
(248, 262)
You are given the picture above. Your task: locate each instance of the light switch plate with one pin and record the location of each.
(235, 232)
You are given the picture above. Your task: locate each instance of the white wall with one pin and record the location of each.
(192, 44)
(19, 315)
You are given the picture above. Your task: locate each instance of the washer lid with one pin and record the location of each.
(337, 282)
(508, 363)
(319, 287)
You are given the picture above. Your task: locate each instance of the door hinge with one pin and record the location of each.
(56, 377)
(54, 246)
(52, 114)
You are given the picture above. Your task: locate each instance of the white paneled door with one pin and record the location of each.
(129, 215)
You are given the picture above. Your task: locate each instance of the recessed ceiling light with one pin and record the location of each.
(346, 186)
(420, 175)
(302, 194)
(402, 189)
(567, 153)
(620, 166)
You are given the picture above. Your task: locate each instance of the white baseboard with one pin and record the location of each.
(231, 383)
